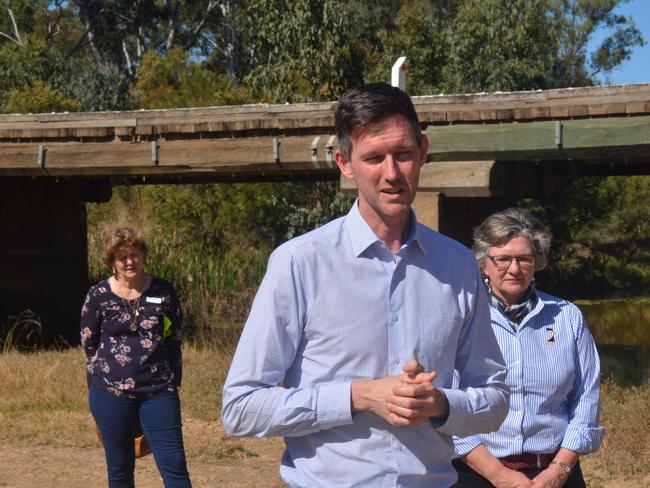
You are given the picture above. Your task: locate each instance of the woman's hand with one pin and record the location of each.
(509, 478)
(485, 464)
(551, 477)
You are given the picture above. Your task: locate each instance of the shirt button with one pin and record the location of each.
(396, 360)
(395, 318)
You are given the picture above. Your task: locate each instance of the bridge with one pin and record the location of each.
(485, 150)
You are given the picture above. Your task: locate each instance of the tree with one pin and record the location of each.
(23, 64)
(175, 81)
(419, 32)
(574, 24)
(305, 53)
(487, 45)
(499, 45)
(602, 236)
(38, 97)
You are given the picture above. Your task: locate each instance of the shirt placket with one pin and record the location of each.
(517, 393)
(396, 353)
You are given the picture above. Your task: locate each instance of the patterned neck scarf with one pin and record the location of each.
(515, 313)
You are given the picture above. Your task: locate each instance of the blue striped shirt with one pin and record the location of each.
(554, 378)
(336, 306)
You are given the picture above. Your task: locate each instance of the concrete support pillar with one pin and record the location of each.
(44, 252)
(456, 217)
(427, 208)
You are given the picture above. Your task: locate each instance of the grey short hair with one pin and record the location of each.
(371, 103)
(500, 227)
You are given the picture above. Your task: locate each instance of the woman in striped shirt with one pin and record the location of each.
(553, 367)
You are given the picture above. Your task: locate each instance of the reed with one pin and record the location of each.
(21, 332)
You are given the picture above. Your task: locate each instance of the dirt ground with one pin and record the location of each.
(57, 467)
(45, 467)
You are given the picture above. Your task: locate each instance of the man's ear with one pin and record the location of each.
(424, 148)
(343, 164)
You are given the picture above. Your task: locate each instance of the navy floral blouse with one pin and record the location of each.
(132, 347)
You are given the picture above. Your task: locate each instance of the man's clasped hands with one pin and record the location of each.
(402, 400)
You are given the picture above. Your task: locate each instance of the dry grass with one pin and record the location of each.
(43, 399)
(625, 450)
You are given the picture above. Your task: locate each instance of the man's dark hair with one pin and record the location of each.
(367, 104)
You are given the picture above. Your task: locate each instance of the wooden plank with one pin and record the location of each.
(430, 116)
(532, 113)
(606, 108)
(637, 107)
(559, 112)
(174, 156)
(582, 139)
(467, 108)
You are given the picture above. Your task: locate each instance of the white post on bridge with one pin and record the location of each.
(398, 73)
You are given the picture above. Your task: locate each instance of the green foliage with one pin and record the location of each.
(499, 45)
(574, 23)
(174, 81)
(602, 236)
(419, 32)
(97, 88)
(23, 12)
(22, 65)
(38, 98)
(305, 49)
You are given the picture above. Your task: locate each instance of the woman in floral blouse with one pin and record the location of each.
(131, 334)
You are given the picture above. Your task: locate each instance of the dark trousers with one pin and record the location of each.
(160, 417)
(468, 478)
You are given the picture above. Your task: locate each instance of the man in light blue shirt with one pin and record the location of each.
(352, 340)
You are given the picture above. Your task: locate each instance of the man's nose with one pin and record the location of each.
(391, 168)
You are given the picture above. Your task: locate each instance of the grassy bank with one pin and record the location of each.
(43, 399)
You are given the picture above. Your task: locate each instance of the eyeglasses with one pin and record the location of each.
(525, 261)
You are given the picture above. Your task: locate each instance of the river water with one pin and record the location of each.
(622, 332)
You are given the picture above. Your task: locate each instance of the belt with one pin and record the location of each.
(527, 460)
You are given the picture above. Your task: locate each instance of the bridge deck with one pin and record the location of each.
(598, 124)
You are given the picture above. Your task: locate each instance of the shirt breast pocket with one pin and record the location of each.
(438, 342)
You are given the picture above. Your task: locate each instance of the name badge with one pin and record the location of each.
(154, 300)
(550, 340)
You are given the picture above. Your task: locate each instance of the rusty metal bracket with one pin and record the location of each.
(329, 151)
(40, 160)
(276, 151)
(155, 148)
(314, 151)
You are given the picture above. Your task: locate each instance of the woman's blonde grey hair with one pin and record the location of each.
(121, 237)
(500, 227)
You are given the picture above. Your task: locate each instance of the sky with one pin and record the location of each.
(637, 68)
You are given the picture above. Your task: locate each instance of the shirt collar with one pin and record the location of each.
(363, 236)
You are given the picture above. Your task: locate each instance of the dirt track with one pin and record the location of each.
(45, 467)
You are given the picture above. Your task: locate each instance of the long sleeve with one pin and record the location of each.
(253, 401)
(583, 434)
(480, 402)
(173, 333)
(90, 324)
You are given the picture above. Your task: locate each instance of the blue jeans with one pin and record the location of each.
(160, 417)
